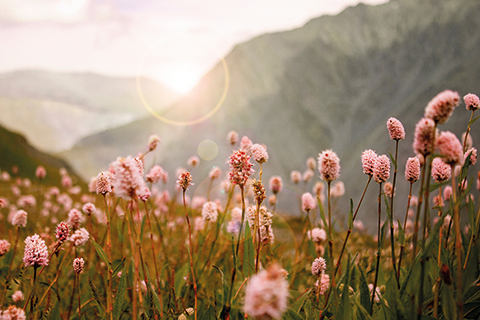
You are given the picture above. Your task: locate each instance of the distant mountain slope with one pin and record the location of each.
(331, 84)
(55, 110)
(15, 151)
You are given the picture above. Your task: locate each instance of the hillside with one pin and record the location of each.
(331, 84)
(55, 110)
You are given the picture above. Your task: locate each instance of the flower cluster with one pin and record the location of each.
(36, 252)
(240, 167)
(329, 165)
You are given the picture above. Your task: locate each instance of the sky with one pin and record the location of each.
(174, 42)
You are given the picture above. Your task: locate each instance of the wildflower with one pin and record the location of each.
(441, 107)
(13, 313)
(80, 237)
(259, 153)
(198, 202)
(258, 191)
(308, 202)
(18, 296)
(423, 136)
(395, 129)
(412, 169)
(329, 165)
(318, 266)
(323, 283)
(358, 224)
(193, 161)
(128, 177)
(311, 163)
(472, 102)
(36, 253)
(153, 142)
(27, 201)
(447, 192)
(378, 295)
(308, 175)
(272, 200)
(317, 235)
(210, 211)
(88, 208)
(246, 145)
(62, 232)
(4, 247)
(275, 184)
(215, 173)
(103, 183)
(266, 234)
(184, 180)
(368, 161)
(473, 156)
(232, 137)
(5, 176)
(450, 148)
(40, 173)
(266, 294)
(78, 264)
(74, 218)
(338, 189)
(440, 170)
(469, 143)
(295, 176)
(155, 174)
(388, 189)
(240, 167)
(381, 170)
(20, 219)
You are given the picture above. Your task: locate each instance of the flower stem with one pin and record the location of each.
(392, 215)
(379, 240)
(458, 246)
(404, 226)
(191, 254)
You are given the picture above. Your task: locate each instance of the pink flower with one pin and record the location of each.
(323, 283)
(473, 156)
(381, 170)
(395, 128)
(62, 232)
(441, 107)
(388, 189)
(450, 148)
(472, 102)
(4, 247)
(215, 173)
(440, 170)
(311, 163)
(153, 142)
(295, 176)
(36, 252)
(318, 266)
(412, 169)
(210, 211)
(318, 188)
(259, 153)
(308, 175)
(240, 167)
(20, 219)
(74, 219)
(67, 181)
(246, 145)
(13, 313)
(275, 184)
(193, 161)
(80, 237)
(469, 143)
(447, 192)
(103, 183)
(317, 235)
(184, 180)
(368, 161)
(78, 264)
(128, 178)
(18, 296)
(88, 208)
(423, 136)
(40, 173)
(329, 165)
(308, 202)
(338, 189)
(232, 137)
(266, 294)
(155, 174)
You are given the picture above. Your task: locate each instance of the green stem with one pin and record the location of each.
(379, 240)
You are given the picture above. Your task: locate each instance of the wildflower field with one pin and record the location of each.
(130, 247)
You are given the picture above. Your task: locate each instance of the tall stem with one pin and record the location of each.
(458, 246)
(79, 303)
(466, 133)
(109, 255)
(404, 226)
(7, 279)
(191, 255)
(330, 239)
(417, 215)
(439, 261)
(379, 240)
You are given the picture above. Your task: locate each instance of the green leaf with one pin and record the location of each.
(471, 216)
(298, 304)
(364, 291)
(179, 275)
(224, 284)
(350, 215)
(101, 253)
(401, 234)
(248, 253)
(142, 227)
(345, 309)
(156, 300)
(383, 233)
(95, 295)
(448, 303)
(322, 215)
(209, 314)
(393, 160)
(290, 314)
(120, 295)
(55, 314)
(473, 121)
(393, 298)
(120, 223)
(119, 264)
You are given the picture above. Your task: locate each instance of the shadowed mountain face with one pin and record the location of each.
(331, 84)
(55, 110)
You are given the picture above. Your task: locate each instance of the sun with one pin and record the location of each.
(180, 76)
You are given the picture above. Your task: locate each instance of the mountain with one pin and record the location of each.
(331, 84)
(15, 151)
(55, 110)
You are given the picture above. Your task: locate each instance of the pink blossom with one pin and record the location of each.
(338, 189)
(246, 145)
(323, 283)
(472, 102)
(232, 137)
(441, 107)
(412, 169)
(74, 219)
(311, 163)
(388, 189)
(13, 313)
(155, 174)
(198, 202)
(368, 161)
(36, 252)
(66, 181)
(214, 173)
(317, 235)
(40, 173)
(259, 153)
(450, 148)
(80, 237)
(447, 192)
(88, 208)
(275, 184)
(240, 167)
(272, 200)
(18, 296)
(20, 219)
(318, 266)
(473, 156)
(318, 188)
(210, 211)
(78, 264)
(381, 170)
(295, 176)
(103, 183)
(329, 165)
(128, 177)
(395, 129)
(4, 247)
(193, 161)
(184, 180)
(308, 202)
(440, 170)
(308, 175)
(62, 232)
(153, 142)
(423, 136)
(266, 294)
